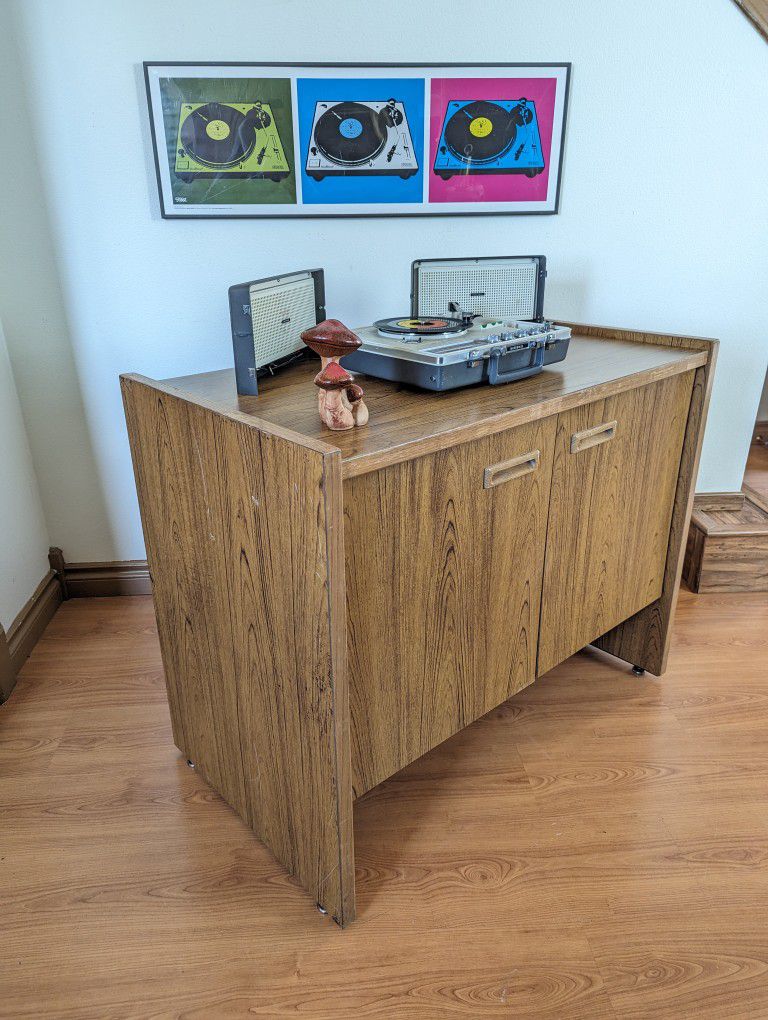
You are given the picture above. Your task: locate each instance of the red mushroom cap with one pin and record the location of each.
(354, 393)
(331, 339)
(333, 377)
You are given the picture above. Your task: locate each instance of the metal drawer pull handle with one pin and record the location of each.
(509, 469)
(593, 437)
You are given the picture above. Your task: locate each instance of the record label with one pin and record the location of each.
(217, 130)
(480, 127)
(351, 127)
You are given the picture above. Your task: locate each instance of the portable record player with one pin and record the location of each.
(229, 140)
(484, 137)
(472, 320)
(365, 138)
(268, 317)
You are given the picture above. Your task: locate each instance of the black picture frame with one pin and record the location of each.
(302, 210)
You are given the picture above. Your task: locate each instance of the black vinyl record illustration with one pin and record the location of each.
(481, 131)
(350, 133)
(218, 135)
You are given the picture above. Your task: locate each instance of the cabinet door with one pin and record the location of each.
(444, 558)
(615, 469)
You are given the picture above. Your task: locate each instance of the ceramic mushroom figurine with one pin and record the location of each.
(340, 400)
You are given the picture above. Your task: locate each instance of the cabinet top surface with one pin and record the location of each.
(406, 422)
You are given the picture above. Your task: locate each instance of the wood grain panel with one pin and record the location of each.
(443, 582)
(609, 515)
(644, 639)
(735, 563)
(727, 550)
(641, 336)
(238, 526)
(407, 423)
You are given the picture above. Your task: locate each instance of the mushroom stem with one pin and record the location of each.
(354, 395)
(333, 411)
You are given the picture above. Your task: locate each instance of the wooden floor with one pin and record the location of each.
(597, 847)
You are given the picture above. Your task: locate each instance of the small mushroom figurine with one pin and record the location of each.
(340, 400)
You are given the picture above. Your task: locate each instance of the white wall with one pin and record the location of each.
(24, 545)
(664, 204)
(37, 331)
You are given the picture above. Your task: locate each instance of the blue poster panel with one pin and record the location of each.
(361, 140)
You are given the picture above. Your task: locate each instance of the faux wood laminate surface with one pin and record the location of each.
(610, 511)
(595, 848)
(405, 422)
(246, 555)
(443, 593)
(756, 472)
(644, 639)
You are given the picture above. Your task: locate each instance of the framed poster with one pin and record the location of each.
(260, 140)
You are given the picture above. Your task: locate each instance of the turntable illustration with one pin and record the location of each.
(232, 140)
(484, 137)
(360, 138)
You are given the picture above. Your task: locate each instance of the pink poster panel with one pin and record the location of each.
(472, 121)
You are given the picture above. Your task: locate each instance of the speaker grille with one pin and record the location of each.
(504, 289)
(280, 313)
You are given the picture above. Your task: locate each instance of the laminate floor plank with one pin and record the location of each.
(595, 847)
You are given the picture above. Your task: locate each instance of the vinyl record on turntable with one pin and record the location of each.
(219, 135)
(423, 326)
(350, 133)
(480, 132)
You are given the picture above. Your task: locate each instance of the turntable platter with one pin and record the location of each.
(350, 133)
(480, 132)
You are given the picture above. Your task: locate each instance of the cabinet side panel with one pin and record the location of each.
(240, 541)
(176, 468)
(644, 638)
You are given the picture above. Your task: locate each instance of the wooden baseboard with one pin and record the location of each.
(727, 548)
(93, 580)
(87, 580)
(733, 501)
(7, 672)
(27, 628)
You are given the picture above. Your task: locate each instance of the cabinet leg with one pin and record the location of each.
(638, 671)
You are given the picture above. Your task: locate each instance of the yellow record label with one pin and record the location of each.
(217, 129)
(480, 127)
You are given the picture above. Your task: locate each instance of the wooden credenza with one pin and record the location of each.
(333, 605)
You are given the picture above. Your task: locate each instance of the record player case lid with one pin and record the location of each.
(505, 287)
